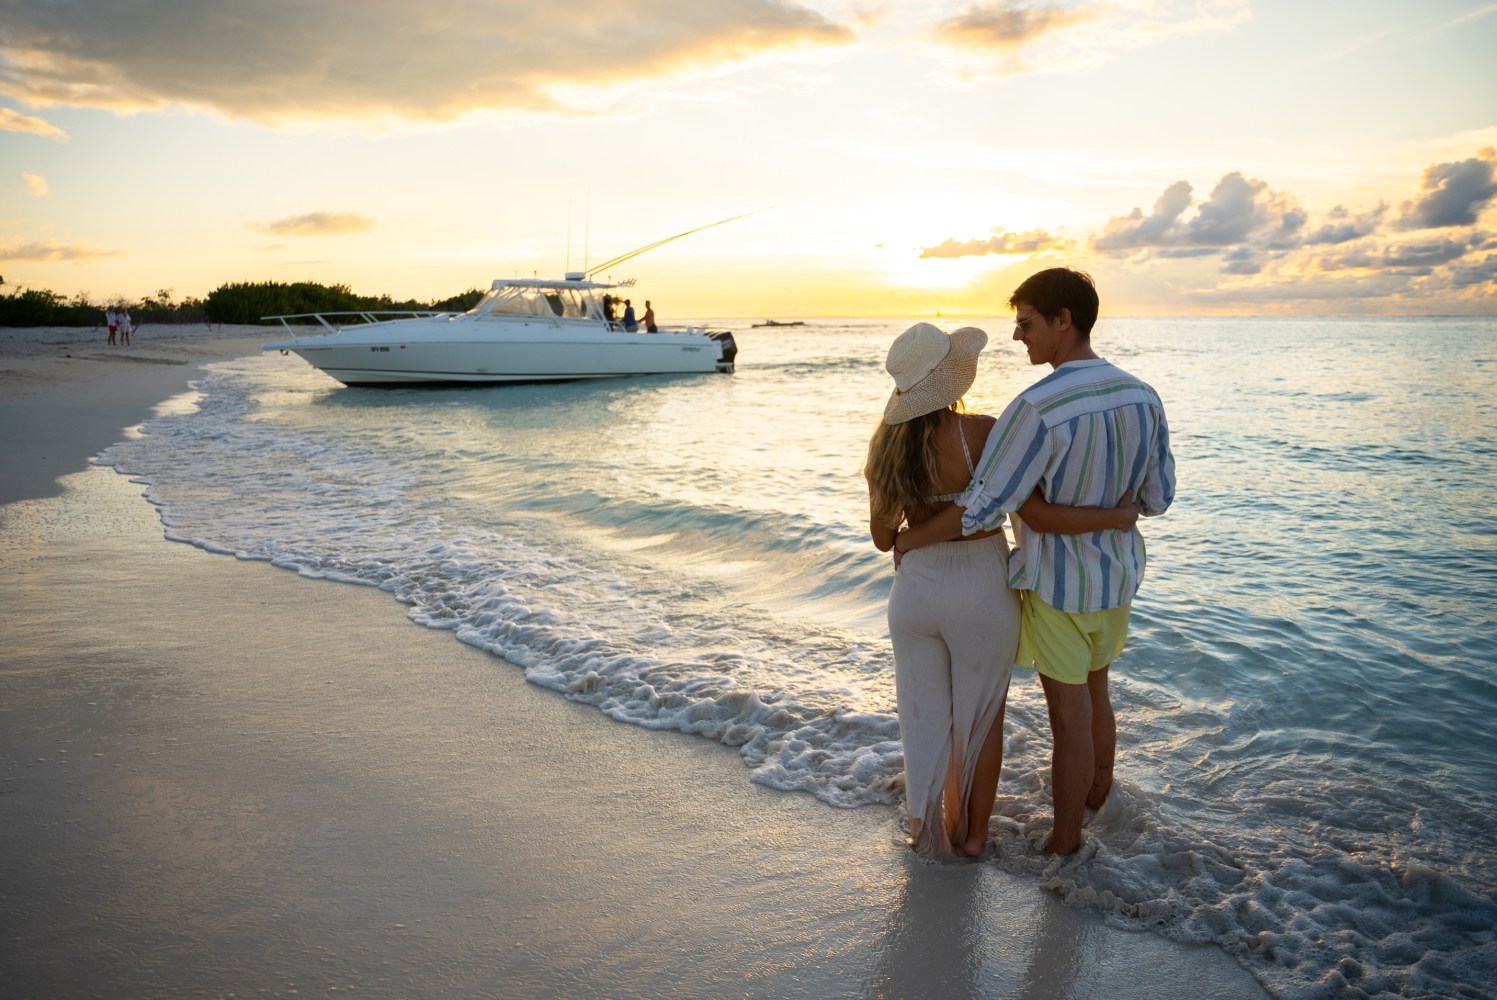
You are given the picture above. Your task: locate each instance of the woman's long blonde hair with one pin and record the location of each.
(902, 466)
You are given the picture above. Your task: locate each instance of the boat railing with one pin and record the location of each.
(366, 317)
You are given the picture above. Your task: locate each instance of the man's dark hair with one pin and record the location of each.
(1049, 291)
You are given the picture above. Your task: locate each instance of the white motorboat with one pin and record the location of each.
(523, 330)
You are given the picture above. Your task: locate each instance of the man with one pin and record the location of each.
(1088, 434)
(630, 323)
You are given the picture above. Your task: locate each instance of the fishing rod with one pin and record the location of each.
(659, 243)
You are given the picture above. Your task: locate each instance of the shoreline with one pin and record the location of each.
(220, 777)
(71, 395)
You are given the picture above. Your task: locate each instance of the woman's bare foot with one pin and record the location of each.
(974, 846)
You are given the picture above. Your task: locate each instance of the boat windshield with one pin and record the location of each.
(511, 300)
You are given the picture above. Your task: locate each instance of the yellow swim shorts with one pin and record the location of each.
(1067, 647)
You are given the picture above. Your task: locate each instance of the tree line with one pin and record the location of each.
(235, 302)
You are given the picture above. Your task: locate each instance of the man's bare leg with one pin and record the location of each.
(1104, 738)
(1073, 763)
(984, 787)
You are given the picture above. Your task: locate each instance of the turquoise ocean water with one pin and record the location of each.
(1308, 759)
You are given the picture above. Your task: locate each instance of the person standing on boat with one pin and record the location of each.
(631, 324)
(650, 326)
(1088, 431)
(953, 620)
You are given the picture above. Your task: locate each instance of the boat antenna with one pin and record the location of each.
(569, 235)
(635, 253)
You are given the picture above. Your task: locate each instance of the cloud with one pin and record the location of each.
(1470, 15)
(1421, 255)
(1454, 193)
(1276, 292)
(1342, 226)
(1079, 34)
(1006, 25)
(1230, 215)
(317, 224)
(1238, 210)
(1241, 260)
(1185, 253)
(12, 120)
(1267, 251)
(36, 183)
(277, 62)
(1482, 272)
(18, 249)
(1034, 241)
(1439, 276)
(1244, 214)
(1136, 230)
(1416, 254)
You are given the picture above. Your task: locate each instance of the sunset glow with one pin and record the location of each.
(1221, 156)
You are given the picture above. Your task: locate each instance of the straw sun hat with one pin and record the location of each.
(931, 369)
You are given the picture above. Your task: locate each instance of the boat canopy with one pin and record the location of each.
(561, 299)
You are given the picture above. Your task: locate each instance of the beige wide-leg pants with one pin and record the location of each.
(955, 627)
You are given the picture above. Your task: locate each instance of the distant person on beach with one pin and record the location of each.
(953, 620)
(650, 318)
(113, 321)
(1092, 433)
(123, 320)
(630, 323)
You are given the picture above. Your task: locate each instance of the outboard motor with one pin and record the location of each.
(727, 350)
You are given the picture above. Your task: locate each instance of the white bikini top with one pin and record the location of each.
(962, 436)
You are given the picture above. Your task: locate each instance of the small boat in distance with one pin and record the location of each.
(776, 322)
(522, 330)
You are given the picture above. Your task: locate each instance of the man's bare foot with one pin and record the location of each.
(1056, 846)
(1096, 796)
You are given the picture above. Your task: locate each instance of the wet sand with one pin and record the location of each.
(218, 778)
(65, 393)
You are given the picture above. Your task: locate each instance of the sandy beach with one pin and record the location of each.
(66, 393)
(221, 779)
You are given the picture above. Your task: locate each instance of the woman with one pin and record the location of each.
(952, 618)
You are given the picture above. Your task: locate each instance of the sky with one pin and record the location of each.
(1211, 157)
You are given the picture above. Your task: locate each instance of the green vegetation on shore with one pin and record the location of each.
(236, 302)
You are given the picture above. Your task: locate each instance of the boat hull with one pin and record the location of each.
(429, 353)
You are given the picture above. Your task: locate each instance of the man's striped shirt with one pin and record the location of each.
(1082, 435)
